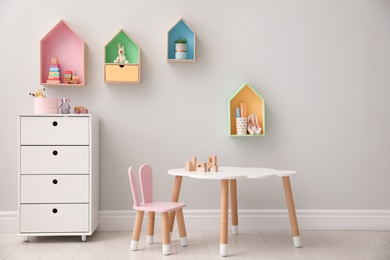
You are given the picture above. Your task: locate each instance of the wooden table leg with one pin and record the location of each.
(224, 218)
(233, 205)
(291, 211)
(174, 198)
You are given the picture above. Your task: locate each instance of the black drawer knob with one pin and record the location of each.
(55, 181)
(55, 152)
(54, 210)
(55, 123)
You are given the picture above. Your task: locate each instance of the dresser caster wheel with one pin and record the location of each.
(25, 238)
(83, 238)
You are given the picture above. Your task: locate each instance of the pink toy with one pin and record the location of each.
(146, 183)
(253, 125)
(64, 107)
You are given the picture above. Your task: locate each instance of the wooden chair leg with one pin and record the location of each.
(182, 227)
(224, 218)
(233, 205)
(174, 198)
(137, 230)
(291, 211)
(150, 230)
(166, 247)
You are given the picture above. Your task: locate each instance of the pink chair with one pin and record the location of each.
(146, 183)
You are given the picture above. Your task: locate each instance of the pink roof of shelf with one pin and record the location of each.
(65, 45)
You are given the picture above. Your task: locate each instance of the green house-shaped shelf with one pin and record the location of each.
(122, 72)
(181, 30)
(254, 104)
(62, 48)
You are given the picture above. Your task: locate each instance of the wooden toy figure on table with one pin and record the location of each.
(194, 165)
(253, 125)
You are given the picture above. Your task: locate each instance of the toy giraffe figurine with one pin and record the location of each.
(39, 94)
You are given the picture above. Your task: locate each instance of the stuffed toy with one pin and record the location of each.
(121, 55)
(39, 94)
(64, 107)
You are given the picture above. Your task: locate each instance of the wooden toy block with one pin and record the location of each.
(188, 166)
(201, 167)
(54, 60)
(193, 162)
(212, 163)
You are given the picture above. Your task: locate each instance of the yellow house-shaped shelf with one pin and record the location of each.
(67, 50)
(116, 70)
(254, 104)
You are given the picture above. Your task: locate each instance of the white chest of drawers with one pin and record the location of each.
(58, 175)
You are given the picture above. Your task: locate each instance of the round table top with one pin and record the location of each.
(232, 173)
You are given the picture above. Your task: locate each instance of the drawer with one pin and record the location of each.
(54, 131)
(54, 159)
(44, 218)
(54, 188)
(121, 73)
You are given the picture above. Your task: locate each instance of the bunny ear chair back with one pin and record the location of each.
(146, 179)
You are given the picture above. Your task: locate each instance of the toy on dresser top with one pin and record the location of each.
(80, 110)
(64, 107)
(193, 165)
(44, 105)
(40, 93)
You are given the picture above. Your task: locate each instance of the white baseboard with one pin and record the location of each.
(262, 220)
(9, 221)
(123, 220)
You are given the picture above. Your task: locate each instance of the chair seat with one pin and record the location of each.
(160, 206)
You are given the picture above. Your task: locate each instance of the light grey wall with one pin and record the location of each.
(322, 67)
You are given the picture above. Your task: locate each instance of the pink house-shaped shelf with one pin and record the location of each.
(70, 50)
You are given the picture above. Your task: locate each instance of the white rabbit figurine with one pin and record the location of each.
(121, 55)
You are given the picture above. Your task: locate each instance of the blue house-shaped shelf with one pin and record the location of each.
(183, 30)
(254, 104)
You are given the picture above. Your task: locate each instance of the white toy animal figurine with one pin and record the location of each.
(121, 55)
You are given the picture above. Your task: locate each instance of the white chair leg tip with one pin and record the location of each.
(149, 239)
(183, 241)
(235, 230)
(223, 249)
(297, 241)
(166, 249)
(134, 245)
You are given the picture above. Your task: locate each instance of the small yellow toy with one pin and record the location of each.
(39, 94)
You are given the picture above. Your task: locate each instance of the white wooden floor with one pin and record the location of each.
(204, 245)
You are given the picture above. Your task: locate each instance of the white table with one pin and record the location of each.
(230, 175)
